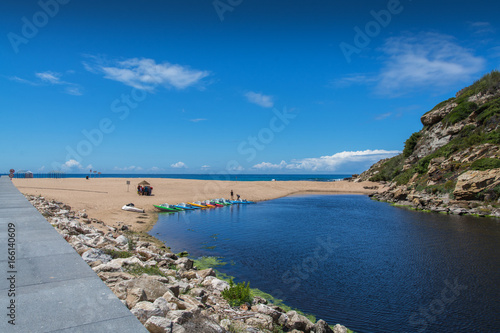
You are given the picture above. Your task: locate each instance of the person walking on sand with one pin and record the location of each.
(231, 194)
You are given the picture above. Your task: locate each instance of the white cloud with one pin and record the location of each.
(235, 168)
(146, 74)
(481, 28)
(50, 77)
(330, 163)
(425, 60)
(76, 91)
(415, 61)
(179, 165)
(71, 165)
(197, 120)
(129, 168)
(156, 169)
(205, 166)
(260, 99)
(20, 80)
(383, 116)
(270, 166)
(353, 79)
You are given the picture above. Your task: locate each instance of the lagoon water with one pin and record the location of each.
(350, 260)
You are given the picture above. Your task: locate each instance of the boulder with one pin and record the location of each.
(298, 322)
(134, 296)
(434, 116)
(215, 283)
(202, 323)
(264, 309)
(400, 194)
(185, 263)
(179, 304)
(206, 272)
(339, 329)
(162, 304)
(189, 275)
(260, 320)
(117, 264)
(145, 310)
(470, 183)
(322, 327)
(96, 254)
(191, 302)
(122, 240)
(200, 294)
(157, 324)
(179, 317)
(457, 210)
(154, 287)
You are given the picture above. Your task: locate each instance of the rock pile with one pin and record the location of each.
(165, 292)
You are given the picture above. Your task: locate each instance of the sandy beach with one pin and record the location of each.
(102, 198)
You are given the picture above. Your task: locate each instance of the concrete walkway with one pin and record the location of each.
(55, 290)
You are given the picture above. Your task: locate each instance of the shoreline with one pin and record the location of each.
(102, 198)
(276, 305)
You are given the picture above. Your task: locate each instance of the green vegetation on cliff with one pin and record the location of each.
(485, 164)
(475, 117)
(411, 143)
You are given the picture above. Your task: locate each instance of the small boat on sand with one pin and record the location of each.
(131, 208)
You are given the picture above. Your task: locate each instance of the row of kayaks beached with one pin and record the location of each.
(199, 205)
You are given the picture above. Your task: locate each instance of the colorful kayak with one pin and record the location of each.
(208, 204)
(186, 207)
(167, 208)
(197, 204)
(223, 202)
(242, 202)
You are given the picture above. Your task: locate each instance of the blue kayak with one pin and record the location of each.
(241, 202)
(186, 207)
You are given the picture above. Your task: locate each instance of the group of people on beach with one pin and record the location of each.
(146, 190)
(232, 196)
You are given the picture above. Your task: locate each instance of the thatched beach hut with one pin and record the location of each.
(144, 188)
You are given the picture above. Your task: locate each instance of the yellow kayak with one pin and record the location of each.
(197, 205)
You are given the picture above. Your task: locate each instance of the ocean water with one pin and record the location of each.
(350, 260)
(230, 177)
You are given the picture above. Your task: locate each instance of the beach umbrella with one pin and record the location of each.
(144, 183)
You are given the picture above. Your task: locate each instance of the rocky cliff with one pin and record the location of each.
(452, 165)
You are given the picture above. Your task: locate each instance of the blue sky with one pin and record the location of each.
(230, 86)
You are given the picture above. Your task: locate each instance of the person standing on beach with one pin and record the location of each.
(231, 194)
